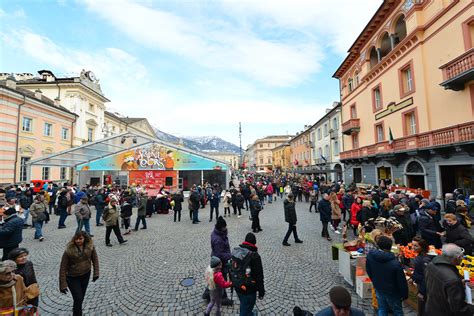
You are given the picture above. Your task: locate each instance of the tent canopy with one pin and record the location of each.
(108, 147)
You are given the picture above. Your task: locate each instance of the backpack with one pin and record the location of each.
(240, 270)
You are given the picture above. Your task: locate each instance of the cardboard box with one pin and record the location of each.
(363, 288)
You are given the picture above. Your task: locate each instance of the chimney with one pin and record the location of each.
(38, 94)
(11, 82)
(57, 102)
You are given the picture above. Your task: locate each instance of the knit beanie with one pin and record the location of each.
(221, 223)
(15, 253)
(250, 238)
(215, 261)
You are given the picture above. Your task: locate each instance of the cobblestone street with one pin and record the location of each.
(144, 275)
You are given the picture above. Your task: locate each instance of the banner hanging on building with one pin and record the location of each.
(153, 157)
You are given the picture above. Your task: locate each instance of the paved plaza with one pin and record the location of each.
(143, 276)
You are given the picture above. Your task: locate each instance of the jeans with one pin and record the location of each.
(247, 202)
(142, 219)
(51, 208)
(62, 217)
(78, 287)
(26, 212)
(291, 228)
(270, 198)
(247, 303)
(195, 215)
(256, 223)
(83, 223)
(98, 215)
(38, 226)
(313, 203)
(108, 230)
(325, 232)
(387, 302)
(216, 208)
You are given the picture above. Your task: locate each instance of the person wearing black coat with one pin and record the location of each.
(248, 297)
(255, 208)
(25, 202)
(11, 232)
(420, 246)
(239, 202)
(290, 218)
(150, 206)
(430, 229)
(457, 233)
(325, 211)
(177, 208)
(445, 290)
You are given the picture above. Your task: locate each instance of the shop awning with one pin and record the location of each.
(107, 147)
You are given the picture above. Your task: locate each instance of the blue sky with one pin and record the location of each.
(193, 67)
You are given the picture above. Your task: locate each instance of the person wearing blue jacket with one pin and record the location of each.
(388, 278)
(11, 232)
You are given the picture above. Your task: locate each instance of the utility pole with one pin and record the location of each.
(240, 145)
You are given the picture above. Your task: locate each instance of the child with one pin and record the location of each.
(227, 202)
(216, 284)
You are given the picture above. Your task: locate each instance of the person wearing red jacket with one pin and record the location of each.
(355, 208)
(216, 282)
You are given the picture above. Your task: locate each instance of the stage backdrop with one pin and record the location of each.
(153, 157)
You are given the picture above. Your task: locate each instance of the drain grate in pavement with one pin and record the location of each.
(187, 282)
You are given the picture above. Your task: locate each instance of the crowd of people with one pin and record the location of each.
(418, 220)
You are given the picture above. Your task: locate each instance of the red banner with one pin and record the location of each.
(153, 180)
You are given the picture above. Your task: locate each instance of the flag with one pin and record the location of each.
(390, 136)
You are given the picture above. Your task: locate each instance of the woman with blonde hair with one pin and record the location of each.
(75, 270)
(386, 207)
(336, 212)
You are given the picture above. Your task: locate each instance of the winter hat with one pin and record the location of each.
(426, 201)
(399, 208)
(15, 253)
(340, 297)
(215, 261)
(7, 266)
(250, 238)
(10, 211)
(221, 223)
(432, 206)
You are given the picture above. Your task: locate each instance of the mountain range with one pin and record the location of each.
(203, 144)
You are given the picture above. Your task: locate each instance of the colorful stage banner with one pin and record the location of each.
(153, 157)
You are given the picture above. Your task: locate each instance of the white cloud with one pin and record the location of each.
(213, 43)
(337, 22)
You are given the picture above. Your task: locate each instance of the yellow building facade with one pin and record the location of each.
(407, 95)
(282, 157)
(32, 126)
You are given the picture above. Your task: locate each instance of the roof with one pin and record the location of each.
(45, 100)
(131, 120)
(338, 106)
(106, 147)
(377, 20)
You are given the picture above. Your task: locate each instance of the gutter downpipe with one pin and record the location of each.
(18, 138)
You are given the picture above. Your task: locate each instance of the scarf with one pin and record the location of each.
(9, 284)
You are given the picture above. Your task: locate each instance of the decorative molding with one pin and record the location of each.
(28, 149)
(392, 107)
(47, 151)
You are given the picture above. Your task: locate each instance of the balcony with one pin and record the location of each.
(351, 126)
(458, 71)
(437, 138)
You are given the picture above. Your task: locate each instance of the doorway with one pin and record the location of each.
(457, 177)
(357, 175)
(415, 175)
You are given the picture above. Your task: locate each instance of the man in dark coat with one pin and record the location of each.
(445, 290)
(324, 207)
(194, 200)
(249, 297)
(214, 203)
(25, 202)
(430, 228)
(388, 277)
(11, 232)
(246, 193)
(290, 218)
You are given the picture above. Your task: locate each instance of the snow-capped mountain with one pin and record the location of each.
(204, 143)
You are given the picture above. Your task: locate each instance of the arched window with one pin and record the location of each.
(356, 79)
(374, 58)
(400, 31)
(350, 85)
(415, 167)
(385, 46)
